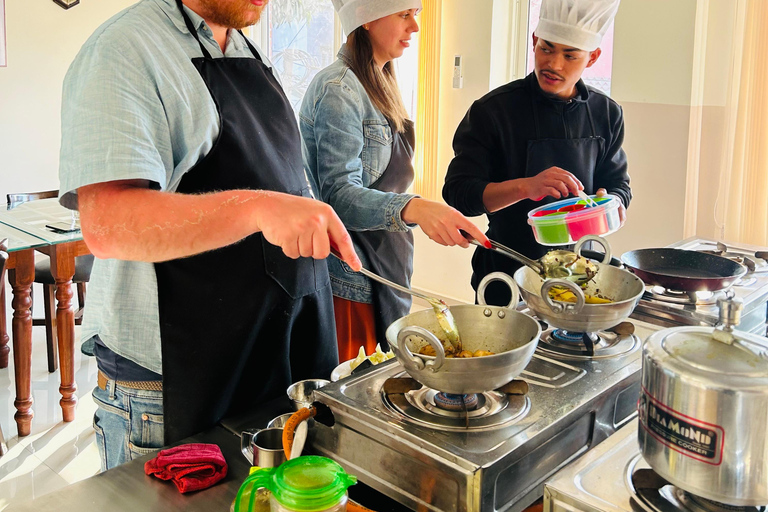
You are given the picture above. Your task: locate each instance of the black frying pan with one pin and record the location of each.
(687, 271)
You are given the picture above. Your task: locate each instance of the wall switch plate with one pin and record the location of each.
(66, 4)
(458, 73)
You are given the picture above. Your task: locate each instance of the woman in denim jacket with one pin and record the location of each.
(358, 150)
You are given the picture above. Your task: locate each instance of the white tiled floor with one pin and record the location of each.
(55, 454)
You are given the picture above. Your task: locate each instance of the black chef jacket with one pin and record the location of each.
(491, 146)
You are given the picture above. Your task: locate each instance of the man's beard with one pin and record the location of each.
(230, 13)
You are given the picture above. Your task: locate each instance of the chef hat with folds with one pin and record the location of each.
(354, 13)
(577, 23)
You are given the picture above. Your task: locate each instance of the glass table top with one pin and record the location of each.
(25, 225)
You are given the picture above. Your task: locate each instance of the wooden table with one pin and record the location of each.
(25, 228)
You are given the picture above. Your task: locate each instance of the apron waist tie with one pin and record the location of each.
(145, 385)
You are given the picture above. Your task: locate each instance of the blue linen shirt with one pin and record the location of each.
(135, 107)
(347, 146)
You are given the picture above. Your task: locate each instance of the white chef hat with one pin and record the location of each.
(354, 13)
(578, 23)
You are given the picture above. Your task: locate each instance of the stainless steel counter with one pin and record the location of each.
(127, 489)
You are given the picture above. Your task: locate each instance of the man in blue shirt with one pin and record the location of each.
(183, 157)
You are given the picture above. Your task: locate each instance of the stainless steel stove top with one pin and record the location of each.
(614, 477)
(673, 309)
(573, 403)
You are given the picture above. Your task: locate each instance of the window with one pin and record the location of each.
(300, 37)
(407, 72)
(599, 75)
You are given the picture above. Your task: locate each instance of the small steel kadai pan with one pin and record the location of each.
(681, 270)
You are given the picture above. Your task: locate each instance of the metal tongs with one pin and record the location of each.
(442, 311)
(550, 266)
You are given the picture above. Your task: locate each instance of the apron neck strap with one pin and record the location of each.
(536, 117)
(591, 121)
(250, 46)
(192, 30)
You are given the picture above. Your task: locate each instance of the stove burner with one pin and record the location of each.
(491, 410)
(658, 495)
(590, 345)
(574, 338)
(451, 402)
(703, 298)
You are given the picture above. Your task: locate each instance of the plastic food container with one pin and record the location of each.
(304, 484)
(564, 222)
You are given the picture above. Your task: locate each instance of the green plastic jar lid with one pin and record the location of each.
(309, 483)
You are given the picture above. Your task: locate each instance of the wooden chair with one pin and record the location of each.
(3, 261)
(83, 265)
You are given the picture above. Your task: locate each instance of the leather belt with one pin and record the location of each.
(146, 385)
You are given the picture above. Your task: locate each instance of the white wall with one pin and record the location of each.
(467, 32)
(652, 73)
(42, 40)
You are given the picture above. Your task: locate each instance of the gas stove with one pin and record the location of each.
(614, 477)
(492, 452)
(672, 308)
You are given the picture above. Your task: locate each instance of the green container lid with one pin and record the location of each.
(308, 484)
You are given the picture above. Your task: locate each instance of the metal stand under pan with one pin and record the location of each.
(493, 410)
(652, 493)
(601, 345)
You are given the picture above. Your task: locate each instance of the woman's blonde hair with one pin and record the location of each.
(380, 84)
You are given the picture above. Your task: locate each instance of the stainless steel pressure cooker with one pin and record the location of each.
(704, 409)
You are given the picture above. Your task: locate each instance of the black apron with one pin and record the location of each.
(577, 156)
(239, 324)
(390, 253)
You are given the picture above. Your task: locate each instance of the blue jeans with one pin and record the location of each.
(128, 423)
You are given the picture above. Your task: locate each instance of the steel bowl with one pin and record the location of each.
(622, 287)
(301, 393)
(511, 335)
(279, 421)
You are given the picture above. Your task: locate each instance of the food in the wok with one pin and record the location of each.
(378, 356)
(565, 295)
(563, 264)
(450, 352)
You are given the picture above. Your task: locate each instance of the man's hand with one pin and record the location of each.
(555, 182)
(305, 227)
(441, 223)
(622, 211)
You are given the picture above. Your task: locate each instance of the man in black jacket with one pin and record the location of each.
(539, 139)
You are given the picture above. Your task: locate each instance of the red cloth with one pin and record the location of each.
(192, 467)
(355, 327)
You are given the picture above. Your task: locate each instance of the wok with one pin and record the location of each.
(681, 270)
(511, 335)
(623, 288)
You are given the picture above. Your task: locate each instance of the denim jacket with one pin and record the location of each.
(347, 145)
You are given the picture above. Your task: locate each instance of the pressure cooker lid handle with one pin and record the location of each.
(730, 316)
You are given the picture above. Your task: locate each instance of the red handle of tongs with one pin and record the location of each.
(289, 430)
